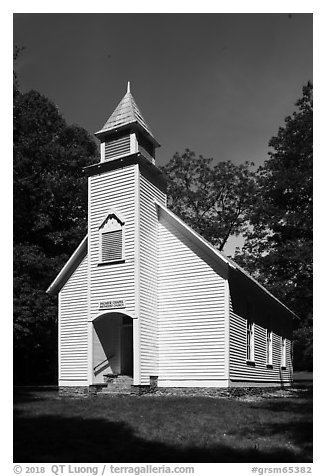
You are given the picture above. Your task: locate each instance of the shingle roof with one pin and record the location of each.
(126, 112)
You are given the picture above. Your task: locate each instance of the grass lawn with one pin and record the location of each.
(161, 429)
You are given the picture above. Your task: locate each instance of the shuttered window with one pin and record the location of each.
(112, 246)
(250, 334)
(250, 341)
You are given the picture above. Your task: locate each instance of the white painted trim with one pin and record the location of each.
(73, 383)
(110, 313)
(90, 357)
(253, 340)
(71, 262)
(259, 383)
(90, 352)
(251, 359)
(270, 353)
(193, 383)
(250, 318)
(136, 322)
(133, 143)
(100, 239)
(283, 351)
(59, 336)
(227, 328)
(102, 151)
(102, 229)
(112, 211)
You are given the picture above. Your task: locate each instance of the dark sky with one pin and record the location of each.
(219, 84)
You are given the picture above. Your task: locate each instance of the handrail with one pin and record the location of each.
(101, 363)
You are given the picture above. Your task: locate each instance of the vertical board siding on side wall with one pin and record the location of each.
(191, 313)
(73, 327)
(240, 371)
(114, 189)
(148, 286)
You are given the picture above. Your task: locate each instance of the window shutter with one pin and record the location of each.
(112, 245)
(117, 147)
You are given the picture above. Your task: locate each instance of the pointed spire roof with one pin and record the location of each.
(126, 113)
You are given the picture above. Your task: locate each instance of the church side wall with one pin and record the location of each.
(265, 313)
(148, 277)
(72, 327)
(191, 316)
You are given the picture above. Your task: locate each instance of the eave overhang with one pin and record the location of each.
(224, 261)
(148, 169)
(104, 134)
(69, 268)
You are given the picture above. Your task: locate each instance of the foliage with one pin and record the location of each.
(214, 200)
(278, 248)
(50, 213)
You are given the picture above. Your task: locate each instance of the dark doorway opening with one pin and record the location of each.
(127, 360)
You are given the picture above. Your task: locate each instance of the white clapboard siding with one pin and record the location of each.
(148, 277)
(73, 328)
(191, 314)
(240, 371)
(112, 190)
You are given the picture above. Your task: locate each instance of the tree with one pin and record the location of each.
(50, 218)
(214, 200)
(278, 247)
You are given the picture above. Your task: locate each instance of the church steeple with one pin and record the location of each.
(126, 132)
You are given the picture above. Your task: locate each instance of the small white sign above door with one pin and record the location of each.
(112, 304)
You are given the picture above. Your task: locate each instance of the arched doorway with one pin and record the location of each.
(112, 346)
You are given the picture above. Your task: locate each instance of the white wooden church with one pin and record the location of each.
(145, 296)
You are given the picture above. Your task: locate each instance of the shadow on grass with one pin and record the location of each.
(76, 440)
(29, 394)
(300, 433)
(302, 405)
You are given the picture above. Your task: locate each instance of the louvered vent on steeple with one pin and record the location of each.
(117, 147)
(112, 246)
(111, 239)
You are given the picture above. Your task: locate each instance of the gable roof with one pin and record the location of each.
(164, 214)
(170, 217)
(126, 113)
(72, 264)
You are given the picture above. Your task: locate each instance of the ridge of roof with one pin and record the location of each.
(126, 112)
(220, 254)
